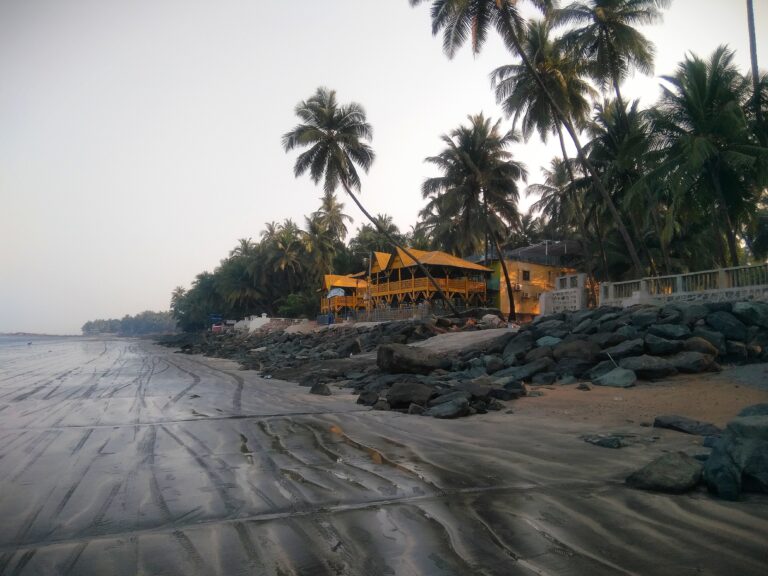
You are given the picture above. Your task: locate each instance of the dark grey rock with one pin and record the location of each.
(739, 460)
(402, 394)
(584, 386)
(751, 313)
(583, 350)
(453, 409)
(367, 398)
(648, 367)
(602, 368)
(699, 344)
(544, 378)
(719, 306)
(507, 393)
(728, 325)
(321, 389)
(400, 358)
(525, 371)
(675, 472)
(617, 378)
(607, 339)
(736, 351)
(686, 425)
(536, 353)
(670, 331)
(657, 346)
(644, 317)
(692, 313)
(566, 379)
(493, 363)
(449, 397)
(628, 332)
(415, 409)
(381, 404)
(586, 326)
(548, 341)
(627, 348)
(517, 348)
(692, 362)
(573, 367)
(755, 410)
(715, 338)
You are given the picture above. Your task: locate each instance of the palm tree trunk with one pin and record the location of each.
(512, 311)
(753, 60)
(601, 243)
(394, 243)
(598, 183)
(722, 207)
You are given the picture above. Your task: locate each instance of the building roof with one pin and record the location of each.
(337, 281)
(434, 258)
(546, 252)
(380, 261)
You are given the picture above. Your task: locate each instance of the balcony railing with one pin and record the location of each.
(423, 284)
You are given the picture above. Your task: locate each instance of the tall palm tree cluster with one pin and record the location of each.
(680, 185)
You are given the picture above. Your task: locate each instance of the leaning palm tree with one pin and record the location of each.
(471, 19)
(479, 181)
(756, 88)
(336, 136)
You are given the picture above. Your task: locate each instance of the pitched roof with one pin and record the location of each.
(336, 281)
(380, 261)
(435, 258)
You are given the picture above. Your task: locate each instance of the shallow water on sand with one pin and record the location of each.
(121, 457)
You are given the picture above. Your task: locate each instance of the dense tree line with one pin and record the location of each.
(677, 186)
(147, 322)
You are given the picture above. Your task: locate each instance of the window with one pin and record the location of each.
(526, 275)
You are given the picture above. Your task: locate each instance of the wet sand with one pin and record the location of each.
(121, 457)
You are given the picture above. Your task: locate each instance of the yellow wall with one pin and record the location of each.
(541, 279)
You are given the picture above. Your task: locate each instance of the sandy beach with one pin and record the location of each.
(122, 457)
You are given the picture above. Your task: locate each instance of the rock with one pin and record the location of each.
(648, 367)
(699, 344)
(675, 472)
(583, 350)
(449, 397)
(321, 389)
(686, 425)
(605, 441)
(517, 348)
(584, 386)
(602, 368)
(548, 326)
(736, 351)
(547, 341)
(479, 388)
(526, 371)
(627, 348)
(755, 410)
(415, 409)
(492, 321)
(617, 378)
(367, 398)
(719, 306)
(607, 339)
(739, 460)
(691, 313)
(692, 362)
(644, 317)
(657, 346)
(493, 363)
(572, 367)
(452, 409)
(670, 331)
(381, 404)
(536, 353)
(586, 326)
(628, 332)
(751, 313)
(402, 394)
(728, 325)
(400, 358)
(714, 338)
(507, 394)
(544, 378)
(566, 379)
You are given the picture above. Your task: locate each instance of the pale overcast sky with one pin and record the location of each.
(140, 139)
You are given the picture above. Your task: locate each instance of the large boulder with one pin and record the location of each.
(713, 337)
(648, 367)
(572, 366)
(627, 348)
(691, 312)
(699, 344)
(675, 472)
(644, 317)
(455, 408)
(657, 346)
(670, 331)
(400, 358)
(607, 339)
(739, 460)
(403, 394)
(751, 313)
(321, 389)
(686, 425)
(692, 362)
(755, 410)
(517, 348)
(449, 396)
(728, 325)
(536, 353)
(602, 368)
(617, 378)
(525, 371)
(583, 350)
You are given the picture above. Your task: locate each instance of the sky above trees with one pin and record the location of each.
(140, 140)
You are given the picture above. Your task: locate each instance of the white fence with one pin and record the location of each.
(724, 284)
(570, 294)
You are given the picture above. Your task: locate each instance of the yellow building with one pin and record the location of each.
(343, 294)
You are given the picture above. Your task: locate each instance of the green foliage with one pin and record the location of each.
(141, 324)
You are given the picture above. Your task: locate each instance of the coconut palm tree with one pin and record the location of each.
(711, 157)
(753, 61)
(607, 40)
(336, 136)
(461, 20)
(332, 217)
(478, 183)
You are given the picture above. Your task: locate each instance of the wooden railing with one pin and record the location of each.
(423, 284)
(341, 301)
